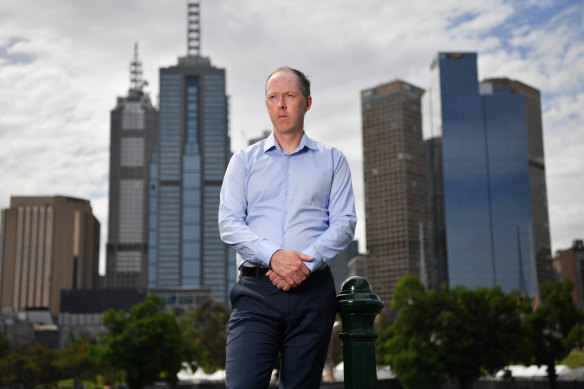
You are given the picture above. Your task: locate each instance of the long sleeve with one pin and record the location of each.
(232, 217)
(342, 216)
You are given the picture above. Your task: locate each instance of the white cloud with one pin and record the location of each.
(564, 167)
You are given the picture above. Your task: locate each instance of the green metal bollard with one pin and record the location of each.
(358, 306)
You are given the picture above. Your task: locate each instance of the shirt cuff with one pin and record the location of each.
(265, 252)
(317, 263)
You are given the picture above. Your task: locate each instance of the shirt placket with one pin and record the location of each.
(286, 205)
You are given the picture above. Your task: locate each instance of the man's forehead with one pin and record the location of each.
(284, 73)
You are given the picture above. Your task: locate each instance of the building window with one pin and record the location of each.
(132, 152)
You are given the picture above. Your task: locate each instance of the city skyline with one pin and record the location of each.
(60, 79)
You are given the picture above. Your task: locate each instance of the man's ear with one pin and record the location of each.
(308, 103)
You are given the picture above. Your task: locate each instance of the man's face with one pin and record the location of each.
(286, 104)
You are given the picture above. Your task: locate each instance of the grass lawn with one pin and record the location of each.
(69, 384)
(574, 360)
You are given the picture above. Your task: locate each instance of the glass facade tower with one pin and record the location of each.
(186, 173)
(484, 221)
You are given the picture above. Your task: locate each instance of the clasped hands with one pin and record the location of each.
(287, 269)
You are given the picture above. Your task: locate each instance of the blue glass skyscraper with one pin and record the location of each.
(190, 158)
(478, 137)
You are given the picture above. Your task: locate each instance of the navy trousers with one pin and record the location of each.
(266, 321)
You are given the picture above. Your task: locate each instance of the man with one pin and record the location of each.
(287, 207)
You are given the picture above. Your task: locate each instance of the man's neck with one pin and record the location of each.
(289, 142)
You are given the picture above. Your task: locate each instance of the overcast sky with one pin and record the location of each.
(63, 63)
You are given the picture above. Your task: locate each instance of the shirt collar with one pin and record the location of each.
(305, 142)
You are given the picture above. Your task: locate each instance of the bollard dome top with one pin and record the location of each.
(356, 284)
(357, 291)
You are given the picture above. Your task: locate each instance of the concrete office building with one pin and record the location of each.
(485, 145)
(572, 267)
(46, 244)
(29, 327)
(82, 311)
(133, 126)
(186, 173)
(393, 163)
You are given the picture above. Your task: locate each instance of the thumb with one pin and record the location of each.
(305, 257)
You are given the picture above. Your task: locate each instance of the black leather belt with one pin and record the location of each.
(256, 272)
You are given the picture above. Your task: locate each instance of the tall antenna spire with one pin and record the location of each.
(193, 29)
(136, 83)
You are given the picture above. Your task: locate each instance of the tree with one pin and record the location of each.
(409, 344)
(30, 366)
(204, 329)
(76, 359)
(554, 327)
(146, 343)
(4, 346)
(456, 334)
(109, 373)
(480, 332)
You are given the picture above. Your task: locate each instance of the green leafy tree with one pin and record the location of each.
(204, 329)
(554, 327)
(146, 343)
(108, 373)
(456, 334)
(76, 359)
(480, 332)
(4, 346)
(30, 366)
(409, 344)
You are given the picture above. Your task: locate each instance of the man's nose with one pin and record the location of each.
(281, 102)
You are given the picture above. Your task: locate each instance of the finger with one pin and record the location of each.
(276, 280)
(305, 257)
(290, 281)
(298, 279)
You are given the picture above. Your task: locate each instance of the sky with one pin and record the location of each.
(64, 63)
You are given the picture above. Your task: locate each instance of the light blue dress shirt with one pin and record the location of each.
(271, 200)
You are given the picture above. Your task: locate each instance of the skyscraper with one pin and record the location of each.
(393, 163)
(537, 181)
(479, 139)
(46, 244)
(186, 173)
(133, 124)
(571, 263)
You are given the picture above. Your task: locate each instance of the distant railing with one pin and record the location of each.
(358, 306)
